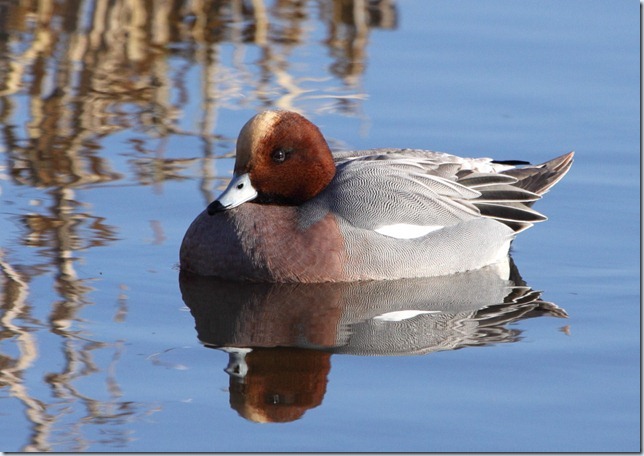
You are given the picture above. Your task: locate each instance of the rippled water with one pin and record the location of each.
(117, 126)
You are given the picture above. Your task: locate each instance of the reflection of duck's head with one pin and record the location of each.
(279, 384)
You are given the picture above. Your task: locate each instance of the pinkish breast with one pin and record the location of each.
(264, 243)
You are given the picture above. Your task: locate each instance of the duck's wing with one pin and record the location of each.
(376, 191)
(394, 187)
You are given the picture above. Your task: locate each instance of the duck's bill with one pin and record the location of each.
(239, 191)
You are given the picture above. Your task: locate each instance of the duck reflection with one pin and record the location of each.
(280, 337)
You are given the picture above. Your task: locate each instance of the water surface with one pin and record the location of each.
(117, 127)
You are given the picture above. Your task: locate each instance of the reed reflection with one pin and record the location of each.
(74, 73)
(280, 336)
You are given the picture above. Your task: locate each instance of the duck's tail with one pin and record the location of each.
(508, 196)
(540, 178)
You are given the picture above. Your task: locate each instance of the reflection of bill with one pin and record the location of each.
(280, 336)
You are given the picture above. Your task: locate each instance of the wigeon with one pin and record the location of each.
(295, 212)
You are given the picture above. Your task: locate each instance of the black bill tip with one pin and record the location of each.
(215, 207)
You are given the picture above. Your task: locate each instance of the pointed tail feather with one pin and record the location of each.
(508, 196)
(540, 178)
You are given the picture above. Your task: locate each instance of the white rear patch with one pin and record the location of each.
(407, 231)
(400, 315)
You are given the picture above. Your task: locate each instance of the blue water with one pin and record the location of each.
(98, 351)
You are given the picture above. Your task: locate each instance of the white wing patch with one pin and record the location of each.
(406, 230)
(403, 315)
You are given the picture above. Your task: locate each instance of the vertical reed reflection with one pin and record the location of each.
(74, 73)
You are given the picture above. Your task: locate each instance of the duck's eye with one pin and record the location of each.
(280, 155)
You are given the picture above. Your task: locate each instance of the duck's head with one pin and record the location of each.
(282, 158)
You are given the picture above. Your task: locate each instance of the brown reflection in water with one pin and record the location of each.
(281, 384)
(348, 35)
(14, 306)
(94, 68)
(75, 72)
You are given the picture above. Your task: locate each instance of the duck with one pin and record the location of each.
(296, 212)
